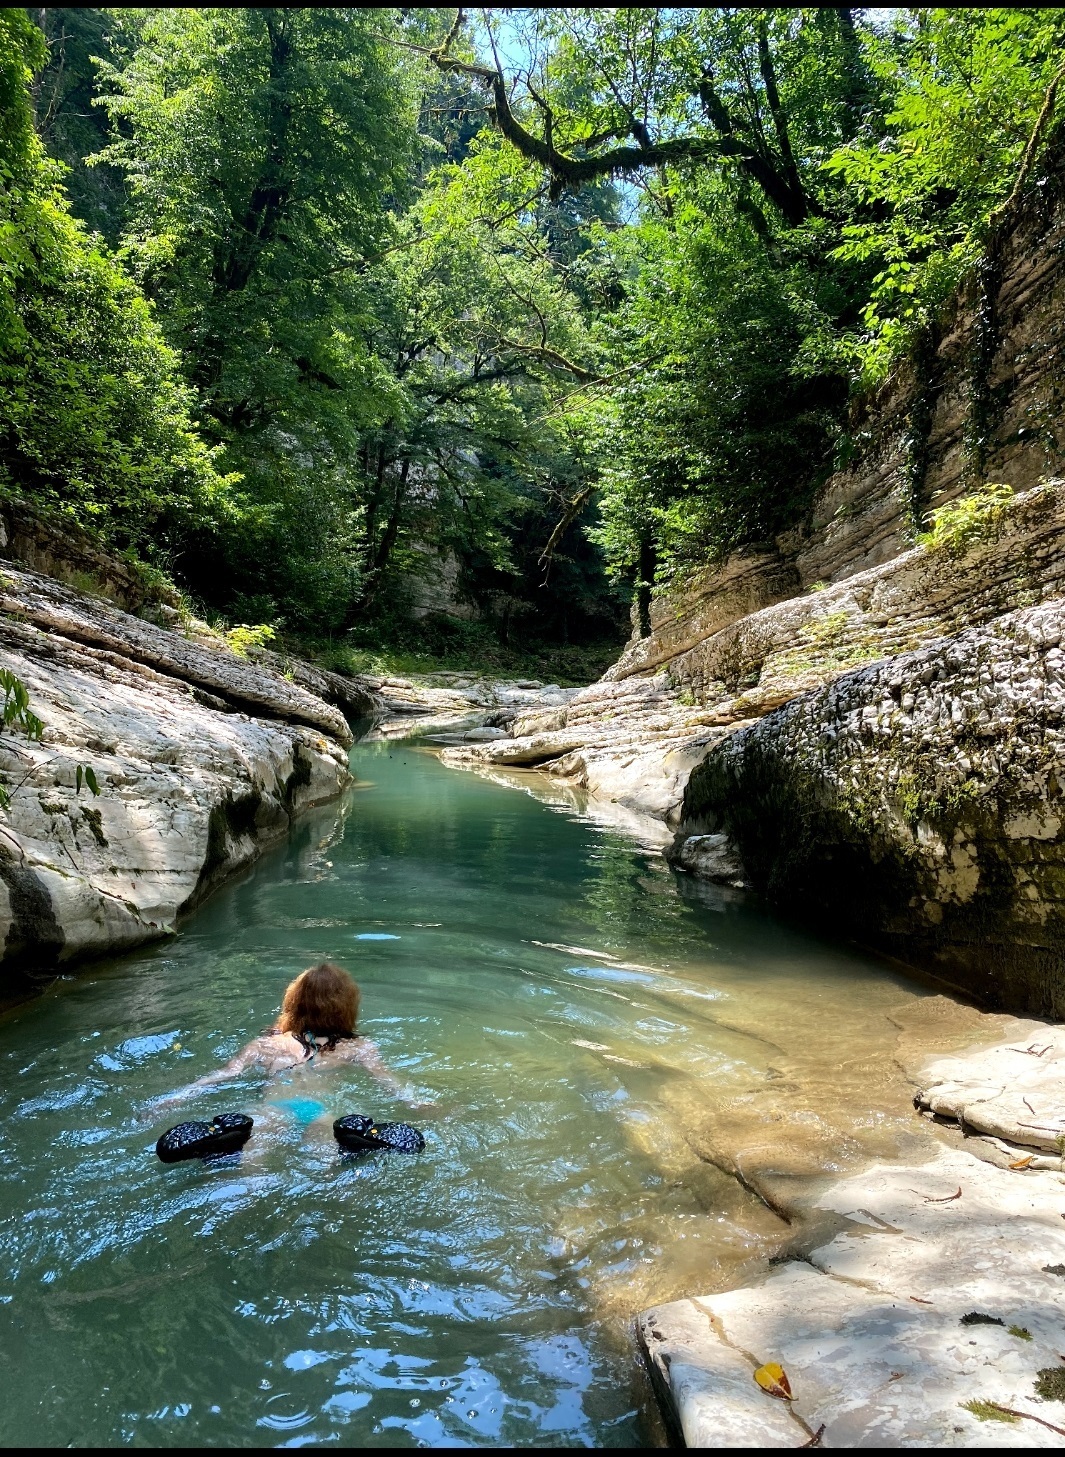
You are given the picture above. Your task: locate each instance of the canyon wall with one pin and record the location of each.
(202, 758)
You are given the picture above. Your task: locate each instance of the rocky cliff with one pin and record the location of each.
(904, 784)
(917, 805)
(202, 759)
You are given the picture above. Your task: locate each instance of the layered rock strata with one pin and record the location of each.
(202, 758)
(933, 432)
(918, 805)
(637, 739)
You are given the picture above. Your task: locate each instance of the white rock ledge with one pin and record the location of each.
(869, 1328)
(203, 759)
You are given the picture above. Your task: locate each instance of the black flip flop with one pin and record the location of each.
(356, 1133)
(226, 1134)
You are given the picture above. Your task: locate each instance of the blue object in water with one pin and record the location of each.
(375, 936)
(302, 1110)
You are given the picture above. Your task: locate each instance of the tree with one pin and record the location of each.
(94, 417)
(627, 92)
(265, 151)
(71, 126)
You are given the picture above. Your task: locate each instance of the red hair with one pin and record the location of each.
(322, 999)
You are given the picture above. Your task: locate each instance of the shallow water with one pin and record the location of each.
(584, 1022)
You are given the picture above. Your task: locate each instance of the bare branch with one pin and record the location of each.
(573, 509)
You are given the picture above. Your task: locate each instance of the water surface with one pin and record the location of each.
(587, 1027)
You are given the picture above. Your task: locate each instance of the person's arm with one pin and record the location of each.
(233, 1068)
(371, 1059)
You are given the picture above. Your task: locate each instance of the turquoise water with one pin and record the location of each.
(571, 1012)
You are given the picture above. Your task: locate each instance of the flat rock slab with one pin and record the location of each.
(1013, 1091)
(870, 1329)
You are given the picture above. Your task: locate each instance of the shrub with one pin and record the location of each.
(959, 526)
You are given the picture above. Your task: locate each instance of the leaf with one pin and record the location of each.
(86, 774)
(773, 1380)
(1021, 1163)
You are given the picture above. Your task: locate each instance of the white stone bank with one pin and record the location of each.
(935, 1317)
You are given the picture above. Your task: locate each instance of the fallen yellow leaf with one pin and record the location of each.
(773, 1379)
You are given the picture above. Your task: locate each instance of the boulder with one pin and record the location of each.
(202, 759)
(917, 806)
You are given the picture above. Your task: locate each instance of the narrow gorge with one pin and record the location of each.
(866, 730)
(532, 614)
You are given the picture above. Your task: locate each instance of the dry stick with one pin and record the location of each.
(1031, 1416)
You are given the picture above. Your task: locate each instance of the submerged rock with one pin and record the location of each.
(202, 759)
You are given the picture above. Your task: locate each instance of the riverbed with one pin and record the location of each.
(583, 1022)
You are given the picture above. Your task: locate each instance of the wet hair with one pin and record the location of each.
(322, 1001)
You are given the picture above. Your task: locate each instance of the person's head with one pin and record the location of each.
(322, 999)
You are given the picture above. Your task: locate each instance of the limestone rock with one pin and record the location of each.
(636, 736)
(202, 759)
(44, 603)
(713, 857)
(1014, 1091)
(871, 1328)
(917, 805)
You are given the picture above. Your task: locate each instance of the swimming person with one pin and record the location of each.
(315, 1031)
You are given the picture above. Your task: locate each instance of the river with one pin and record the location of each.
(577, 1014)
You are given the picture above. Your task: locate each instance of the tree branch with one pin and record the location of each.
(565, 521)
(776, 110)
(552, 356)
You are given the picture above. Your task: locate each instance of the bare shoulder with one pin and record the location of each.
(357, 1049)
(276, 1049)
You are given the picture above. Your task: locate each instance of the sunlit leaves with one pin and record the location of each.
(962, 90)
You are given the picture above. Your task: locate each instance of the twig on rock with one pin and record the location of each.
(1013, 1411)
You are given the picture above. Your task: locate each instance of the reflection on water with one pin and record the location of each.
(596, 1040)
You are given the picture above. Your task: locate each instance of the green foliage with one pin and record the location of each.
(962, 89)
(16, 712)
(262, 149)
(987, 1411)
(512, 342)
(69, 122)
(463, 647)
(86, 774)
(1050, 1383)
(242, 637)
(960, 525)
(94, 417)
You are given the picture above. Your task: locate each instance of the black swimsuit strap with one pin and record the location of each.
(330, 1039)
